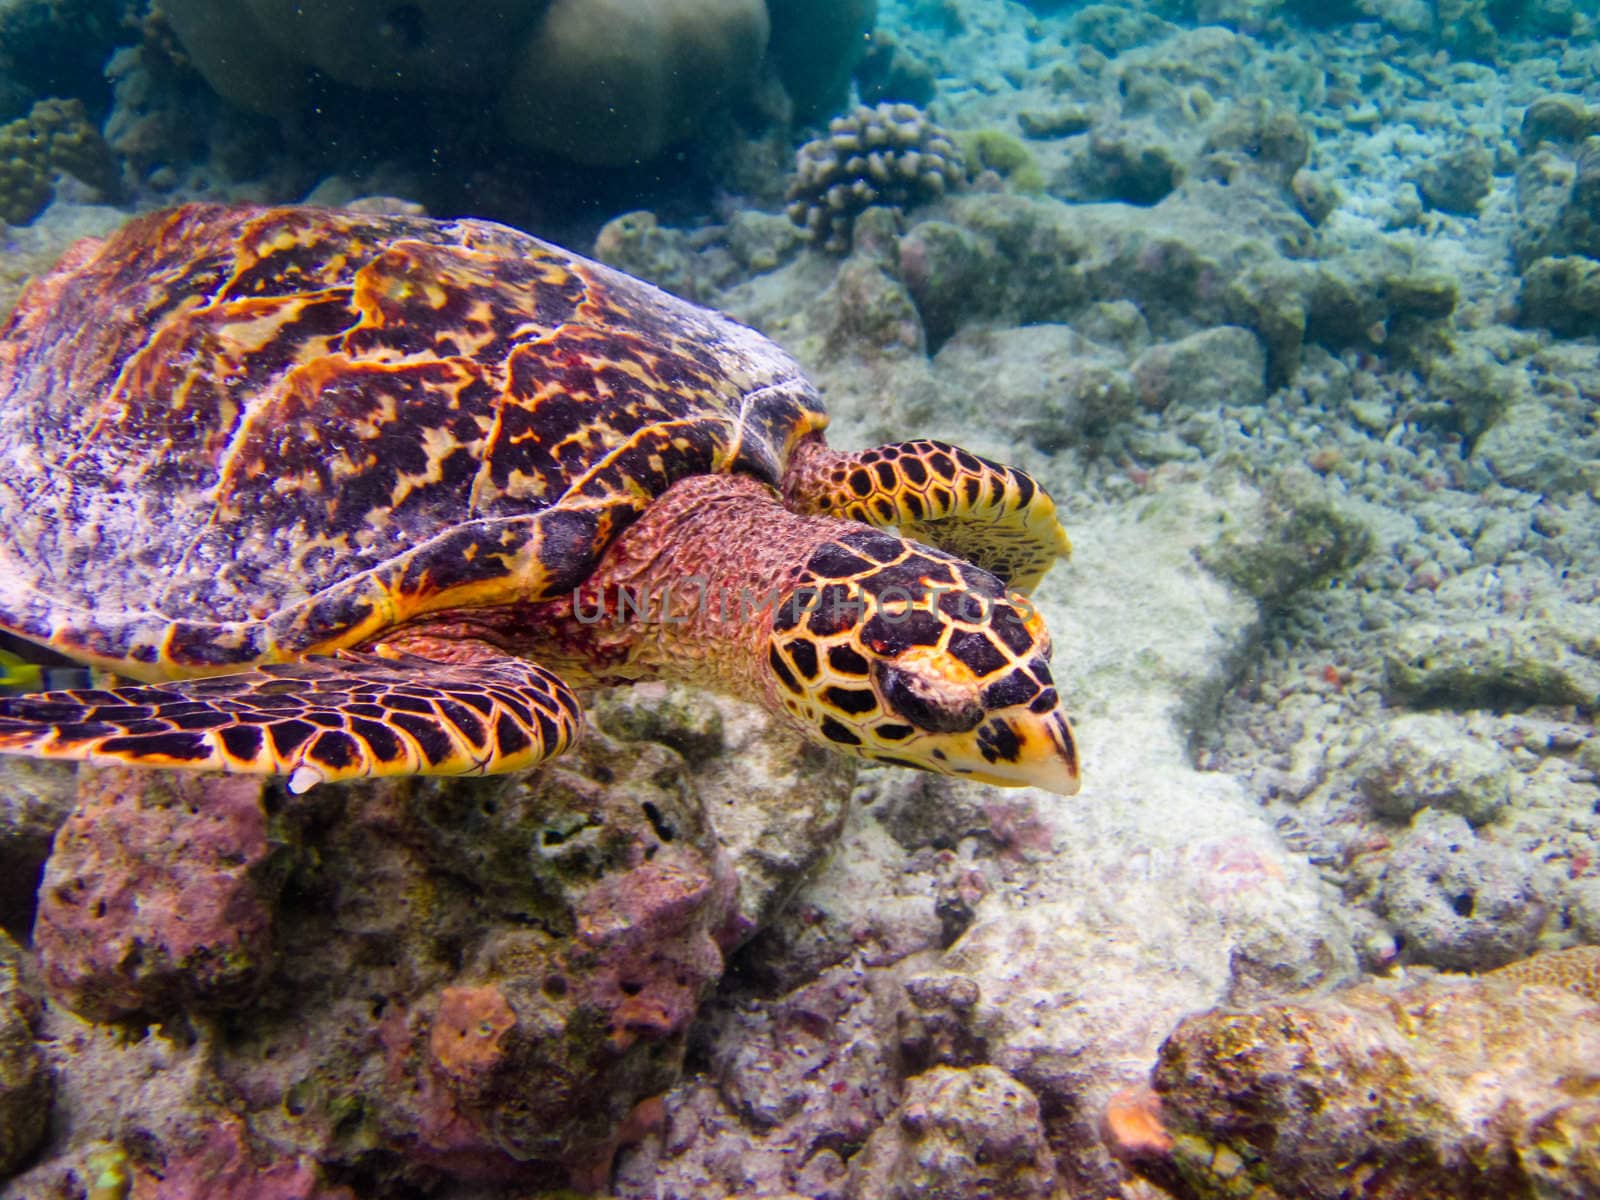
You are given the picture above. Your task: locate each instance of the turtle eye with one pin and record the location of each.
(920, 704)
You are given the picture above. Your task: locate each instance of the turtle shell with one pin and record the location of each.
(243, 435)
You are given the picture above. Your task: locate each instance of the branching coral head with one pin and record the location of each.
(890, 155)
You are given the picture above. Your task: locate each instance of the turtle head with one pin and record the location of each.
(897, 653)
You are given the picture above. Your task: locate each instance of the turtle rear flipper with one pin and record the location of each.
(966, 505)
(318, 720)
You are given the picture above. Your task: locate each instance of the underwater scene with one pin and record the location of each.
(799, 600)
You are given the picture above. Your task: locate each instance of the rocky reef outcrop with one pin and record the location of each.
(490, 980)
(26, 1082)
(1439, 1087)
(1557, 240)
(1294, 313)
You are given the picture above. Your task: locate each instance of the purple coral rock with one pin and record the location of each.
(539, 1054)
(961, 1132)
(219, 1163)
(599, 1020)
(155, 896)
(645, 951)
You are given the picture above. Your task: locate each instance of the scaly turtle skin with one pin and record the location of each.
(335, 486)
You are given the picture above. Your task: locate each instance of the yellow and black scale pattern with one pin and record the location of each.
(326, 717)
(239, 438)
(900, 601)
(970, 506)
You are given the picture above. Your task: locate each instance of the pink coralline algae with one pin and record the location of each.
(219, 1161)
(388, 986)
(643, 950)
(158, 895)
(547, 1055)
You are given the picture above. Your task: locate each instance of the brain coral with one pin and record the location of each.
(598, 81)
(609, 81)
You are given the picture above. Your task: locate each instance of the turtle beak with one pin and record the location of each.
(1046, 755)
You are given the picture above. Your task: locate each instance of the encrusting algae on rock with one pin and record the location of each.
(1455, 1088)
(455, 940)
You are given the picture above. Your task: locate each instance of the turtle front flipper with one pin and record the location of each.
(991, 515)
(350, 716)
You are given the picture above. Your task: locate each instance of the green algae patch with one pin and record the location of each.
(1004, 154)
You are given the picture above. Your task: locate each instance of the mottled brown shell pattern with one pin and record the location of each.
(244, 435)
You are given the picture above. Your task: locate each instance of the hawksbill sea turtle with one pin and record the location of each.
(334, 495)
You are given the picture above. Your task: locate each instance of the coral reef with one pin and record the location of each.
(158, 895)
(1222, 365)
(1130, 164)
(616, 81)
(1494, 662)
(1295, 537)
(694, 264)
(1562, 293)
(24, 175)
(890, 155)
(887, 72)
(867, 305)
(1053, 386)
(776, 822)
(414, 953)
(1007, 156)
(25, 1081)
(33, 248)
(1422, 761)
(1576, 969)
(37, 60)
(636, 242)
(1558, 180)
(256, 52)
(1466, 28)
(35, 798)
(1200, 271)
(1459, 901)
(1438, 1087)
(1557, 239)
(1295, 316)
(55, 137)
(1457, 180)
(815, 48)
(960, 1132)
